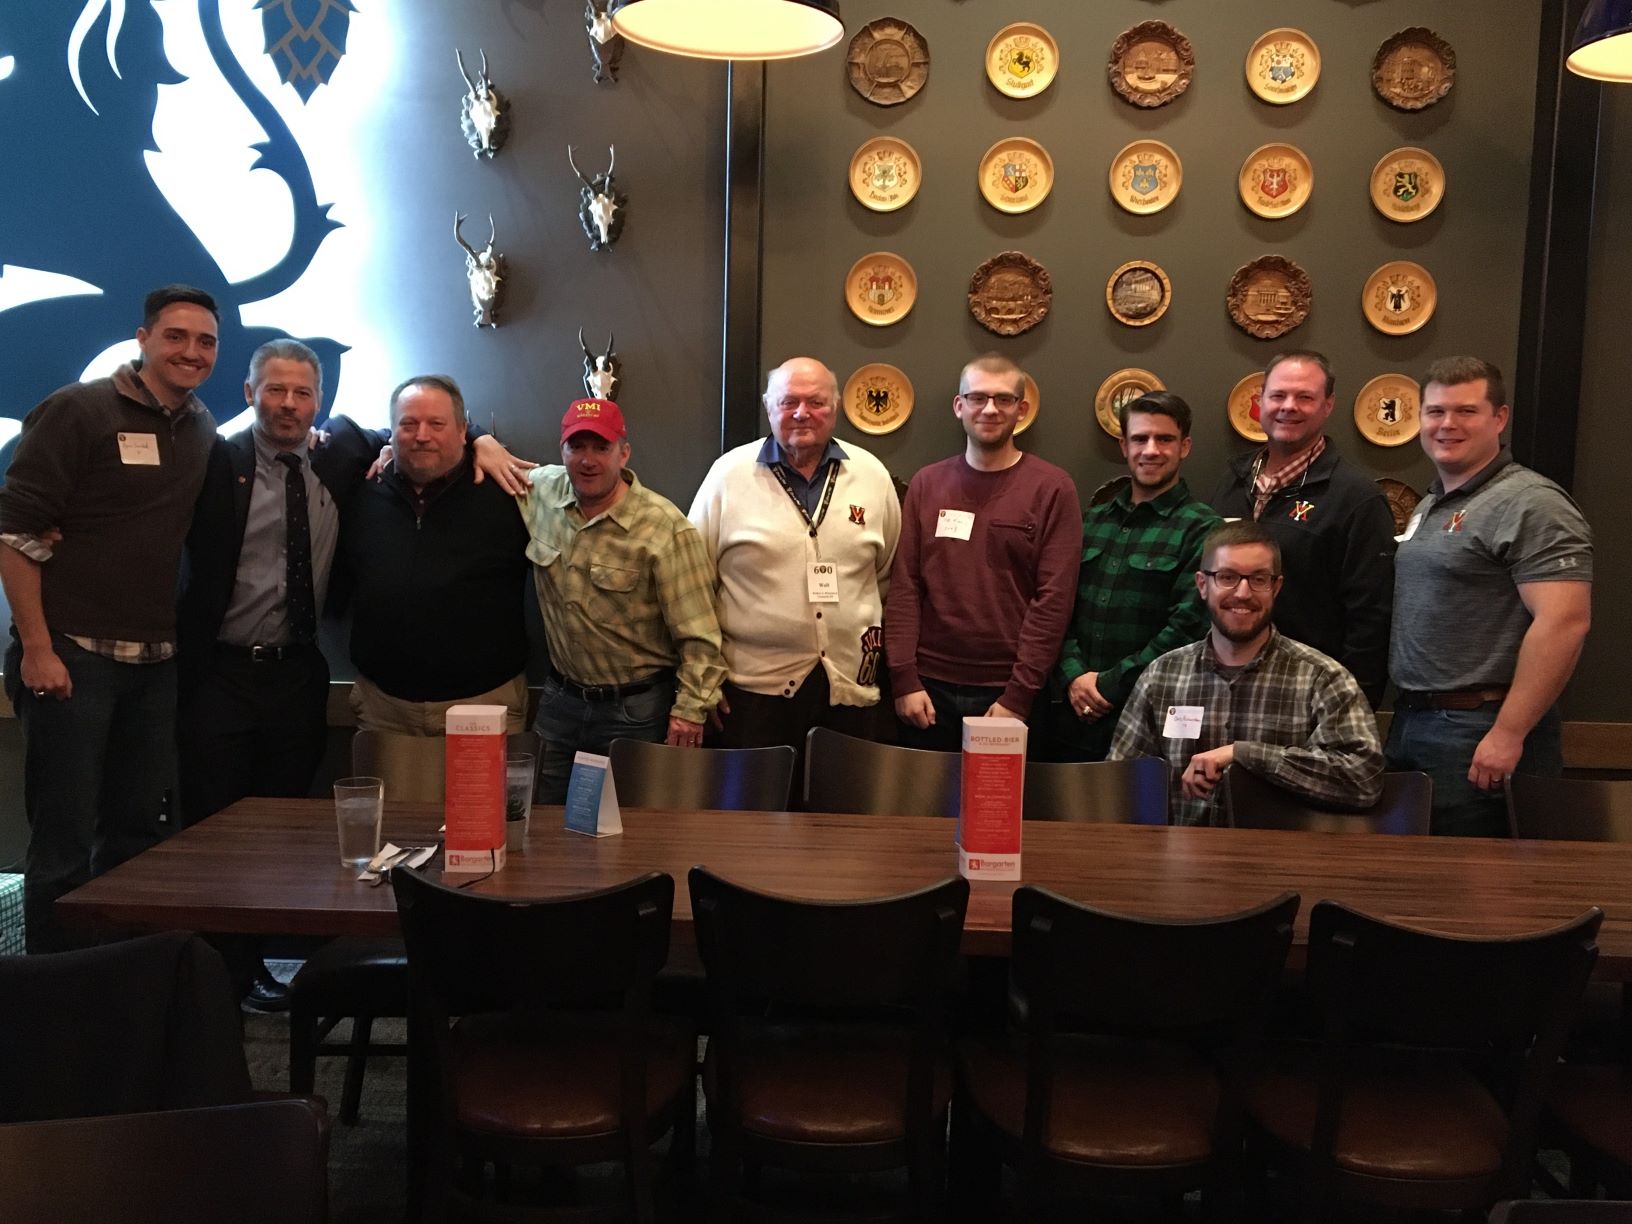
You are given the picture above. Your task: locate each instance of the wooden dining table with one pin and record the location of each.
(271, 866)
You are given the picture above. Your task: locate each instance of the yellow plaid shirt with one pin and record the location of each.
(624, 594)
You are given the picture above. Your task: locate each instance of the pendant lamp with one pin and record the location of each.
(1602, 48)
(730, 29)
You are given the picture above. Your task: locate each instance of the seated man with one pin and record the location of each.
(1246, 695)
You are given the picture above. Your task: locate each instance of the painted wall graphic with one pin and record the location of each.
(80, 205)
(306, 39)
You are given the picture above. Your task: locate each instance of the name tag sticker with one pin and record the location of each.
(140, 449)
(822, 582)
(1183, 722)
(955, 524)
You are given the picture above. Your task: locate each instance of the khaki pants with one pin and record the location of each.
(379, 711)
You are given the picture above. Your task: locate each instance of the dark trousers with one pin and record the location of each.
(1441, 743)
(758, 721)
(567, 725)
(953, 703)
(97, 770)
(247, 728)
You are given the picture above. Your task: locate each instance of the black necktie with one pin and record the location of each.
(301, 602)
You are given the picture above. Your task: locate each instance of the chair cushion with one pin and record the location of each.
(558, 1077)
(1118, 1103)
(1403, 1117)
(826, 1083)
(1596, 1104)
(349, 977)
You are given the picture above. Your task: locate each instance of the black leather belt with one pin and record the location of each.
(611, 692)
(1458, 699)
(266, 654)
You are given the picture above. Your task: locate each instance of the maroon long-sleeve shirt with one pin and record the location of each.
(990, 610)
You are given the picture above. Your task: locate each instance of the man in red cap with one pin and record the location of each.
(626, 589)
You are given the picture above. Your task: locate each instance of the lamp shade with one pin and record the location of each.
(1602, 48)
(730, 29)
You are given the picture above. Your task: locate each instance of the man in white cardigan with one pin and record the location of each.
(803, 532)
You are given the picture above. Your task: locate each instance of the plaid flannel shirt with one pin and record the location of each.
(1295, 717)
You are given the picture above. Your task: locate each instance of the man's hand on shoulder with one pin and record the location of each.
(916, 710)
(493, 459)
(1201, 776)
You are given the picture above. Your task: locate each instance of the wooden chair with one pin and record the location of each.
(828, 1052)
(366, 978)
(1405, 807)
(533, 1041)
(264, 1162)
(846, 774)
(1570, 809)
(1098, 792)
(1436, 1053)
(730, 779)
(1123, 1074)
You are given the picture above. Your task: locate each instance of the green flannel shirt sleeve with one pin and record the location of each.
(685, 592)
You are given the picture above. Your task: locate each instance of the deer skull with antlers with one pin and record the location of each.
(485, 270)
(600, 203)
(605, 43)
(484, 113)
(600, 373)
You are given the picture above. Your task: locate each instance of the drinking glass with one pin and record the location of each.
(520, 772)
(359, 805)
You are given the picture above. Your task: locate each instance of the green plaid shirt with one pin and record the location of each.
(1136, 592)
(625, 594)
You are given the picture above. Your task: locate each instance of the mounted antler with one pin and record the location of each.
(484, 272)
(600, 204)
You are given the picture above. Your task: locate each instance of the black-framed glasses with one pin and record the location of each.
(979, 399)
(1228, 580)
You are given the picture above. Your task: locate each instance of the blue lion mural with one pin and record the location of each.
(76, 119)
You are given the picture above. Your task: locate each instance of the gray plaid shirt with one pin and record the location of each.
(1295, 717)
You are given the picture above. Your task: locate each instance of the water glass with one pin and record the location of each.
(359, 806)
(520, 772)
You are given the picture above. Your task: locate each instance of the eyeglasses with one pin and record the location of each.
(979, 399)
(1228, 580)
(815, 403)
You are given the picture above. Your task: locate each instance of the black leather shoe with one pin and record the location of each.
(267, 994)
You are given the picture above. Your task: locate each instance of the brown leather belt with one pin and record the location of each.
(1459, 699)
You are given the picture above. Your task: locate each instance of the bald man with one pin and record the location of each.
(802, 531)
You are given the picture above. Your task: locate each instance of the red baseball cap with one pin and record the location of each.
(600, 417)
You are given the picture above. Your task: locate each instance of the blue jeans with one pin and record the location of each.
(953, 703)
(1441, 743)
(97, 769)
(567, 724)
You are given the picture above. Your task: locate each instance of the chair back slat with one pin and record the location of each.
(1404, 808)
(1570, 809)
(722, 779)
(1098, 792)
(846, 774)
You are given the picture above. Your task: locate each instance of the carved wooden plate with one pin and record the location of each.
(1413, 69)
(1016, 175)
(1034, 398)
(1151, 64)
(885, 174)
(1399, 297)
(1010, 293)
(1138, 293)
(1118, 389)
(880, 288)
(1402, 501)
(1022, 60)
(1246, 407)
(1269, 297)
(878, 398)
(1386, 410)
(1146, 176)
(1407, 184)
(888, 61)
(1276, 180)
(1283, 66)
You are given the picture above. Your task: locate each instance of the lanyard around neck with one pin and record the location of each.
(827, 495)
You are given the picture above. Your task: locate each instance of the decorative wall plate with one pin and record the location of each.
(1245, 407)
(1413, 69)
(878, 398)
(1010, 293)
(1016, 175)
(1269, 296)
(1119, 389)
(1399, 297)
(880, 288)
(1283, 66)
(1276, 180)
(885, 174)
(1146, 176)
(1151, 64)
(888, 61)
(1402, 501)
(1022, 60)
(1407, 184)
(1138, 293)
(1034, 398)
(1386, 410)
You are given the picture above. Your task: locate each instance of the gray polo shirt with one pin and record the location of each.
(1458, 618)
